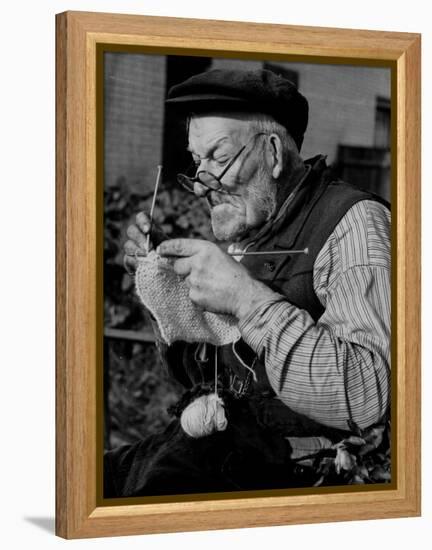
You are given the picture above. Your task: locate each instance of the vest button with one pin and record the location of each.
(270, 266)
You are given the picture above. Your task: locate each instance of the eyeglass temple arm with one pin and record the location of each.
(235, 157)
(231, 162)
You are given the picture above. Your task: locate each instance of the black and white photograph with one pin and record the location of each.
(246, 275)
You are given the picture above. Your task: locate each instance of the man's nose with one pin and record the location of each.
(200, 190)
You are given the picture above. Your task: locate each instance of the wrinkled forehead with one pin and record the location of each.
(204, 128)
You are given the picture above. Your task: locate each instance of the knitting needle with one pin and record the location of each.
(269, 252)
(216, 371)
(262, 252)
(153, 205)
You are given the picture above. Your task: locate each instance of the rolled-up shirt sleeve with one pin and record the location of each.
(337, 369)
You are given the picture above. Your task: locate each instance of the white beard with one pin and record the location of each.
(232, 222)
(227, 223)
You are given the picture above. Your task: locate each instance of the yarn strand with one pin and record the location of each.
(250, 369)
(206, 414)
(216, 371)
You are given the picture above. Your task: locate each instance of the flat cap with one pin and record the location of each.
(260, 91)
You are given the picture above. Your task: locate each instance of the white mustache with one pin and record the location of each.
(216, 199)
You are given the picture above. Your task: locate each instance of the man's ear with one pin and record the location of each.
(275, 156)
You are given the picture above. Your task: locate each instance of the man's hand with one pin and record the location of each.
(217, 282)
(137, 243)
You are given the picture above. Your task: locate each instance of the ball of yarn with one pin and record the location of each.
(204, 416)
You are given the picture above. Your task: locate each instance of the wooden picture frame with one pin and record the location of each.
(79, 512)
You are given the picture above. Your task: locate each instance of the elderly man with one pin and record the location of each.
(314, 357)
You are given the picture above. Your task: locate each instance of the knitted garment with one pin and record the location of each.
(166, 295)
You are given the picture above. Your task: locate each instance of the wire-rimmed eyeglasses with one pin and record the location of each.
(210, 180)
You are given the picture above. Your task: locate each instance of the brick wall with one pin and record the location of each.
(342, 102)
(134, 110)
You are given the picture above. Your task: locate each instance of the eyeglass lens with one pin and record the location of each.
(206, 178)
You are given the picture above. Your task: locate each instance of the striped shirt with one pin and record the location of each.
(339, 367)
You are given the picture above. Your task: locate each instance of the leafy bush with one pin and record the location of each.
(357, 460)
(138, 392)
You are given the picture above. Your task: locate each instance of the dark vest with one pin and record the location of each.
(308, 222)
